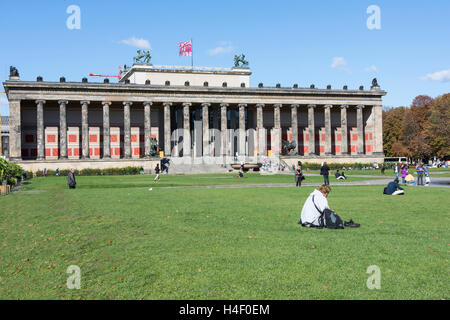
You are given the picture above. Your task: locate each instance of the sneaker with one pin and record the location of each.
(351, 224)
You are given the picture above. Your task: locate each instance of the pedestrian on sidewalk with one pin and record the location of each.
(325, 172)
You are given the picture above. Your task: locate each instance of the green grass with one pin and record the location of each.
(132, 243)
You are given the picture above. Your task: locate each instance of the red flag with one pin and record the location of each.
(185, 48)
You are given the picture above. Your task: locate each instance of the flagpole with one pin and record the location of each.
(192, 55)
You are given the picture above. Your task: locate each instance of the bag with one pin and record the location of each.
(303, 177)
(384, 191)
(329, 219)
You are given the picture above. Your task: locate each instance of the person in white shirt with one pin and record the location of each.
(310, 215)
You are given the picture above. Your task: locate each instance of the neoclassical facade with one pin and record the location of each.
(196, 115)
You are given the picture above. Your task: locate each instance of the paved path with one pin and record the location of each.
(436, 182)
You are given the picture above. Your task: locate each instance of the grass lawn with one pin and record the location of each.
(132, 243)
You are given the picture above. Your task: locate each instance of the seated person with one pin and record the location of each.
(410, 180)
(393, 188)
(240, 174)
(310, 215)
(340, 176)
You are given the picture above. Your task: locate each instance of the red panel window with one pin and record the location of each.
(305, 149)
(371, 136)
(92, 138)
(153, 136)
(76, 152)
(72, 138)
(136, 151)
(306, 136)
(69, 152)
(55, 152)
(133, 138)
(339, 137)
(354, 136)
(34, 152)
(368, 148)
(113, 138)
(51, 138)
(48, 152)
(322, 137)
(337, 149)
(352, 148)
(322, 149)
(97, 151)
(117, 151)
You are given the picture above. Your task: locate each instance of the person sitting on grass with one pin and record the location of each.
(240, 174)
(393, 188)
(316, 201)
(340, 176)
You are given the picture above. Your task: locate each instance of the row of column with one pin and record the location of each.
(260, 128)
(85, 129)
(206, 138)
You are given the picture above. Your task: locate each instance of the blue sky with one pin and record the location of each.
(304, 42)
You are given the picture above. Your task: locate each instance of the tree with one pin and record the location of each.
(437, 132)
(392, 128)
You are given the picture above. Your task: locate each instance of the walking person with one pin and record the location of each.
(298, 176)
(71, 179)
(157, 170)
(396, 169)
(325, 172)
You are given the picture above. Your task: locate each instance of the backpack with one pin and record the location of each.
(329, 219)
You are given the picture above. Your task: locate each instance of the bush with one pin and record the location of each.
(94, 172)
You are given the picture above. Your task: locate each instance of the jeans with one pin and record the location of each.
(403, 180)
(326, 181)
(420, 179)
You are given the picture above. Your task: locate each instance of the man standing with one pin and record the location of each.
(71, 179)
(298, 176)
(325, 171)
(420, 171)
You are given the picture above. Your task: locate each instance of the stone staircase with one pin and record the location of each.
(193, 168)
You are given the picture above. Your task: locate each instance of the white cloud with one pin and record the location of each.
(224, 47)
(440, 76)
(372, 68)
(135, 42)
(338, 63)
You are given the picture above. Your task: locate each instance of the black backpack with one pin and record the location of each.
(329, 219)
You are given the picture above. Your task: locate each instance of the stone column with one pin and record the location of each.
(241, 131)
(344, 134)
(294, 125)
(187, 129)
(377, 111)
(15, 130)
(260, 128)
(223, 127)
(84, 130)
(277, 129)
(360, 128)
(327, 110)
(147, 128)
(40, 130)
(205, 116)
(167, 129)
(216, 121)
(311, 130)
(127, 129)
(106, 131)
(62, 129)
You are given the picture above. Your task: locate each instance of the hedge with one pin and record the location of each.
(95, 172)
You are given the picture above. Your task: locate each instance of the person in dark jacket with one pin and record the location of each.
(325, 172)
(393, 188)
(157, 170)
(71, 179)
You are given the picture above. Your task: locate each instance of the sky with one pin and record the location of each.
(404, 44)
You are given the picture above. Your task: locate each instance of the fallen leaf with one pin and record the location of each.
(199, 270)
(325, 287)
(380, 221)
(121, 279)
(313, 247)
(114, 268)
(109, 241)
(250, 237)
(435, 237)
